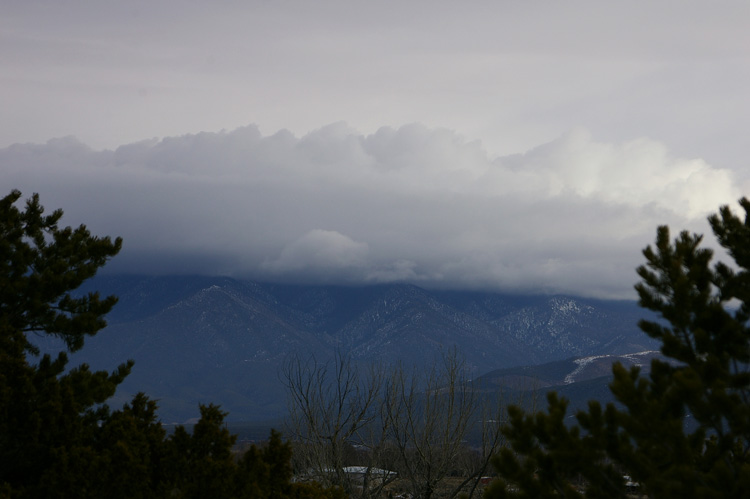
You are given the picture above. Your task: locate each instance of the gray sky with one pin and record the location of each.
(505, 145)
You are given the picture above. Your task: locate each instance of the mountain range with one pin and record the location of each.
(199, 339)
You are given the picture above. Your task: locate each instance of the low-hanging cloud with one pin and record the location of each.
(410, 204)
(324, 253)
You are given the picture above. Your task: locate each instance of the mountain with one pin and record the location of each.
(553, 375)
(221, 340)
(578, 379)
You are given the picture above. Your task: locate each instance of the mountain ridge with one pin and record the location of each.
(222, 340)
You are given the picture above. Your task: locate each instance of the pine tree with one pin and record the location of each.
(681, 431)
(58, 438)
(45, 413)
(40, 265)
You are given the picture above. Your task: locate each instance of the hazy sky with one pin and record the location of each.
(505, 145)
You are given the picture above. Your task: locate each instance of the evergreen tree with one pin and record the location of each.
(202, 464)
(58, 438)
(40, 265)
(45, 413)
(681, 431)
(267, 472)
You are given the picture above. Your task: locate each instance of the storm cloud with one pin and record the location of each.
(411, 204)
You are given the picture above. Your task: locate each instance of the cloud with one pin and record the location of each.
(633, 173)
(325, 253)
(412, 204)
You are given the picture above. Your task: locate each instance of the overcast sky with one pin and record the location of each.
(508, 145)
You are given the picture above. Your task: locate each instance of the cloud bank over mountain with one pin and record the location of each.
(415, 204)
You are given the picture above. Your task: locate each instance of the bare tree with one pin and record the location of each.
(430, 419)
(334, 410)
(490, 439)
(353, 427)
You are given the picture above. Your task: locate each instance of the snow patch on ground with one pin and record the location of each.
(582, 363)
(639, 359)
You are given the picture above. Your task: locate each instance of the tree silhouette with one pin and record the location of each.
(681, 431)
(58, 438)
